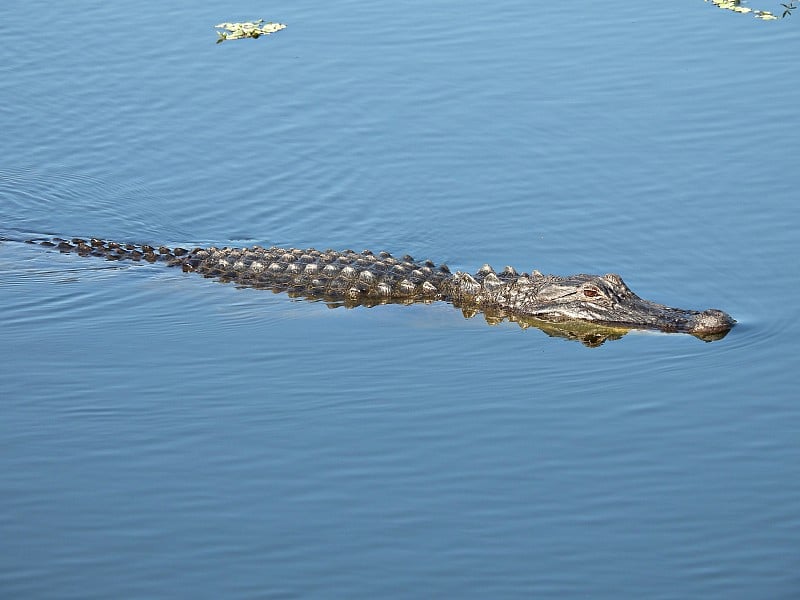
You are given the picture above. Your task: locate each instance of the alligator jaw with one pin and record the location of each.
(638, 313)
(708, 325)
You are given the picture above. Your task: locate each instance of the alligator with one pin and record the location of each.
(348, 278)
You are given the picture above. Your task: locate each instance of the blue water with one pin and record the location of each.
(162, 435)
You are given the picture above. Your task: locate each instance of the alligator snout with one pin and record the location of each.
(711, 321)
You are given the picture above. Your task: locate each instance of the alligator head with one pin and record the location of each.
(605, 299)
(598, 299)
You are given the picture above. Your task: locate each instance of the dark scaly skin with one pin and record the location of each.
(350, 278)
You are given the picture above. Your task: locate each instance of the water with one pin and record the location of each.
(167, 436)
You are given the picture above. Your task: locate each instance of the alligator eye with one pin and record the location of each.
(590, 293)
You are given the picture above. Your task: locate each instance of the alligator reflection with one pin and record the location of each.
(589, 334)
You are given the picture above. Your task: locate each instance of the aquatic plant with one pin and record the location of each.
(765, 15)
(247, 29)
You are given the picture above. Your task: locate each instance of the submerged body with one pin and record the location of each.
(352, 278)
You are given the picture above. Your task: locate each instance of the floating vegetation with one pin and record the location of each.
(248, 29)
(764, 15)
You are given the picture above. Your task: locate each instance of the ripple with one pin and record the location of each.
(44, 201)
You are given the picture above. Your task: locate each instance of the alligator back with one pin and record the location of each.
(345, 276)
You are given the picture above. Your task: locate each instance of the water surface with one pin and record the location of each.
(164, 435)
